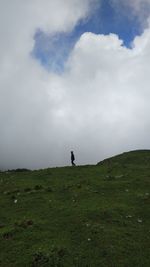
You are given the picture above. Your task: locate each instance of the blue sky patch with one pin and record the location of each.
(53, 50)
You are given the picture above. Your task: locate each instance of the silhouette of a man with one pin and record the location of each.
(72, 158)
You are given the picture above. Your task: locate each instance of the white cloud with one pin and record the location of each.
(98, 107)
(109, 87)
(134, 8)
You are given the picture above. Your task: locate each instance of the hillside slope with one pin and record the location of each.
(132, 157)
(88, 216)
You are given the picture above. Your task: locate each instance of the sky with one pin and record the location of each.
(74, 75)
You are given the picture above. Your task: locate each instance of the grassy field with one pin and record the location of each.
(90, 216)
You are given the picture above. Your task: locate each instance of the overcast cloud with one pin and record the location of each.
(98, 107)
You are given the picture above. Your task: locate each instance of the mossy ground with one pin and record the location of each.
(90, 216)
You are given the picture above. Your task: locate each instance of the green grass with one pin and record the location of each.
(90, 216)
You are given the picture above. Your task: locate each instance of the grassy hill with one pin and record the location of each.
(86, 216)
(133, 157)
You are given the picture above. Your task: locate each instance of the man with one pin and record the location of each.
(72, 158)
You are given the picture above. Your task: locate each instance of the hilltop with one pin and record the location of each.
(133, 157)
(88, 216)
